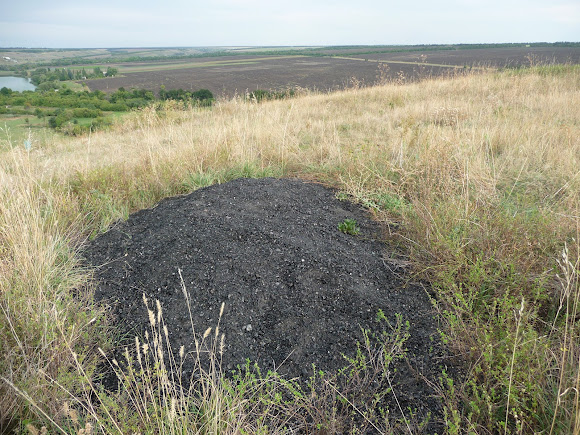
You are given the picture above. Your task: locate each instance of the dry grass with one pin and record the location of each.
(481, 172)
(42, 323)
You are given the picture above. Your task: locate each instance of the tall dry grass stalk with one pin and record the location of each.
(39, 317)
(481, 174)
(566, 381)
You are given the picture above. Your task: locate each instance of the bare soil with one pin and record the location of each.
(297, 291)
(323, 73)
(492, 57)
(319, 73)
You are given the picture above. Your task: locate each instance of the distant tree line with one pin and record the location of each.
(43, 75)
(263, 95)
(118, 101)
(203, 96)
(63, 108)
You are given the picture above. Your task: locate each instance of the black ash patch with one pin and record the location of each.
(297, 291)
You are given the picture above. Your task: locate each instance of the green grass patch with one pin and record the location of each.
(14, 130)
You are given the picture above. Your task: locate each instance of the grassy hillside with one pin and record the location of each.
(475, 178)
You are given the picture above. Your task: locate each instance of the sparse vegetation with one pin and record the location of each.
(475, 179)
(349, 226)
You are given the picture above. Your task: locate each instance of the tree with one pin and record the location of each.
(162, 92)
(203, 95)
(6, 91)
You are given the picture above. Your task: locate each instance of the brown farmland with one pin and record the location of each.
(256, 72)
(230, 75)
(493, 57)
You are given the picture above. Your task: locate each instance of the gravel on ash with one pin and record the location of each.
(297, 291)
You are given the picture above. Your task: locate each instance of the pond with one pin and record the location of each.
(18, 84)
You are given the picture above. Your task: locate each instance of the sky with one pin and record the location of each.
(194, 23)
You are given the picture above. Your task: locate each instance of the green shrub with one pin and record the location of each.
(349, 226)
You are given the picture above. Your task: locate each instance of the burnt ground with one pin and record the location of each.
(297, 291)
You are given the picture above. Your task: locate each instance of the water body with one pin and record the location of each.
(18, 84)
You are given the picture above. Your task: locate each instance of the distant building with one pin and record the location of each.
(5, 58)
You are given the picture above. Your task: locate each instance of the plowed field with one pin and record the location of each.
(230, 75)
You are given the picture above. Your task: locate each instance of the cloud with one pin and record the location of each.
(568, 13)
(276, 22)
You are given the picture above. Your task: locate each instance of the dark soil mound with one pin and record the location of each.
(297, 291)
